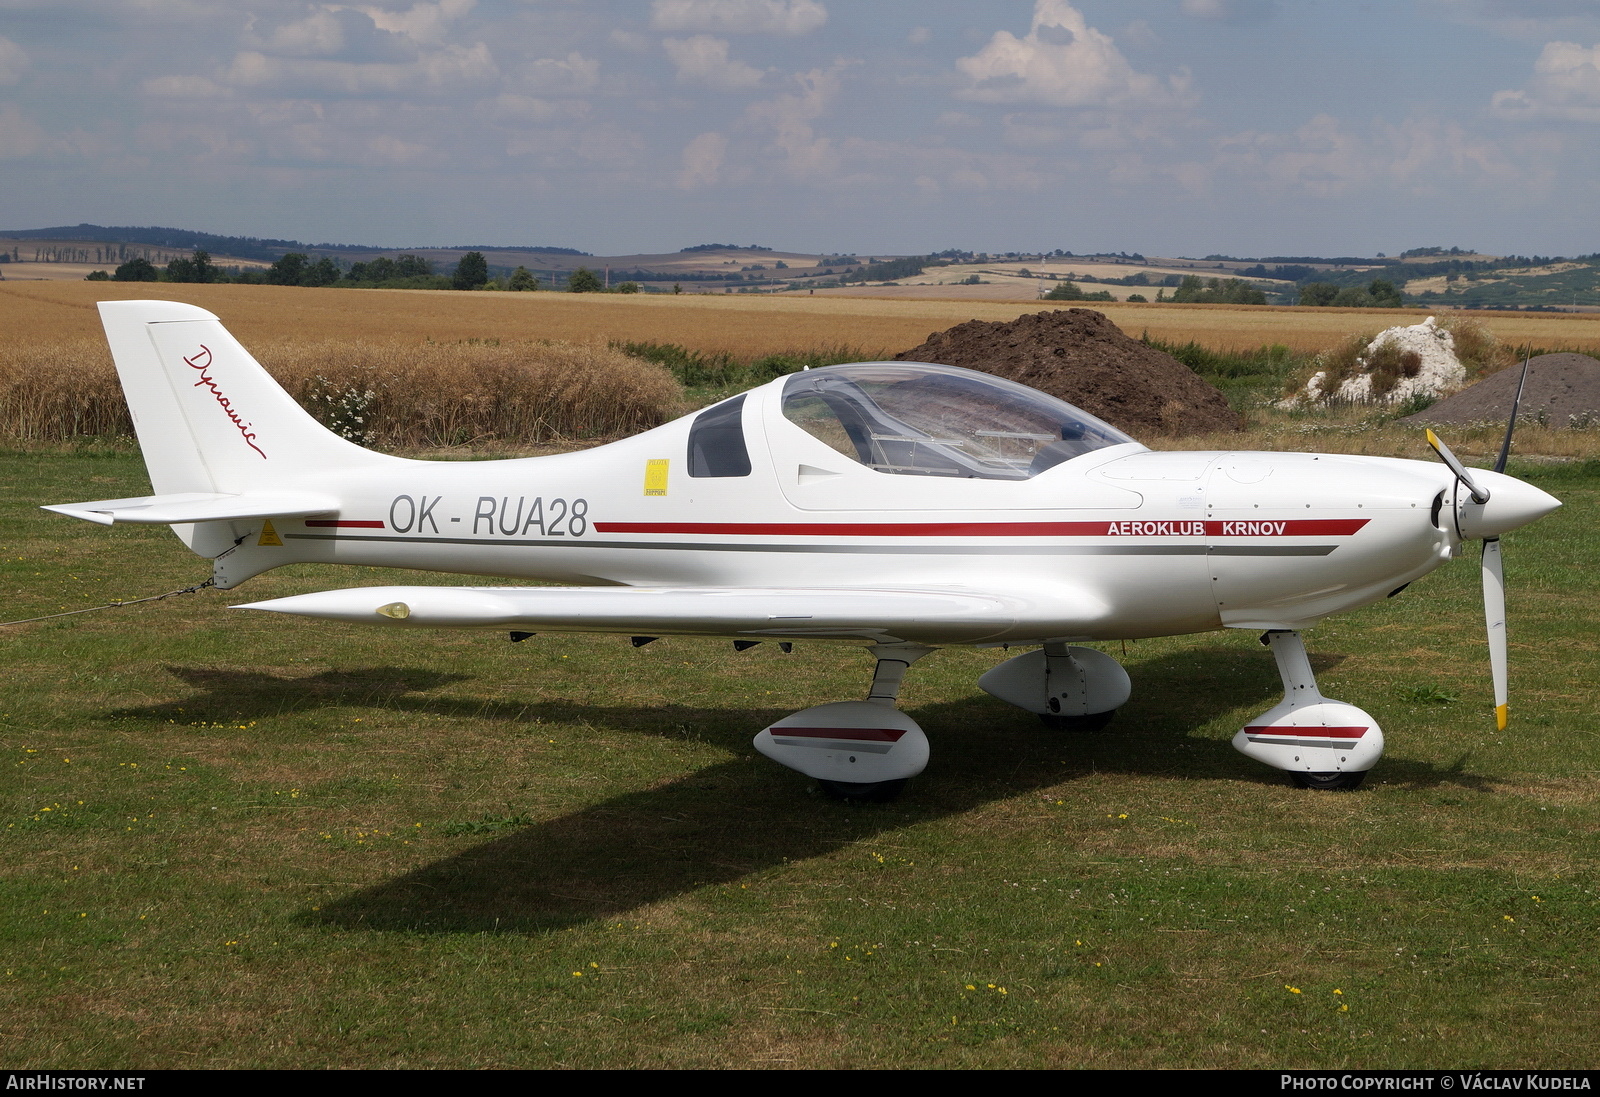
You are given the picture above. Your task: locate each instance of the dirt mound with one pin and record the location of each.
(1563, 390)
(1083, 358)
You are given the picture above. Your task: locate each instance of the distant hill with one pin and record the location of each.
(496, 247)
(245, 247)
(1427, 277)
(242, 247)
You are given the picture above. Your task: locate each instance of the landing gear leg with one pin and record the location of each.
(1067, 692)
(893, 662)
(1319, 742)
(858, 751)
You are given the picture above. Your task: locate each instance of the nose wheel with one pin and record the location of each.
(1092, 721)
(1331, 781)
(857, 792)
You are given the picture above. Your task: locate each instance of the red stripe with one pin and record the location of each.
(1294, 527)
(343, 523)
(1307, 733)
(1182, 527)
(866, 529)
(866, 735)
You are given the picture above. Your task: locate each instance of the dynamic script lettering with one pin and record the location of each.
(202, 362)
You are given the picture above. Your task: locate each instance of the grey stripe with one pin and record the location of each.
(874, 550)
(1268, 550)
(835, 744)
(1273, 741)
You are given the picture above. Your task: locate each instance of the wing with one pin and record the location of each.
(936, 617)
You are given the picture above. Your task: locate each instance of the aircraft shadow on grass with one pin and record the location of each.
(727, 821)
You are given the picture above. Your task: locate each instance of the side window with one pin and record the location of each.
(716, 441)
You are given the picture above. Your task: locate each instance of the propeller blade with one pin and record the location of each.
(1516, 402)
(1494, 612)
(1479, 495)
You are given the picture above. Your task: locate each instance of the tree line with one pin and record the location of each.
(297, 268)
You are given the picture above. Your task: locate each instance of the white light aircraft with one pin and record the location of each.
(894, 505)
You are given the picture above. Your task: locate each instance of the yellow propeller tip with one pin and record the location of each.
(1500, 717)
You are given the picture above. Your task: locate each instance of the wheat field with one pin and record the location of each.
(389, 395)
(410, 369)
(743, 324)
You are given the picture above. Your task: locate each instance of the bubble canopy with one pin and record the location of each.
(920, 419)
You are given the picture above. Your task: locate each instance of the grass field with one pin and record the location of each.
(236, 840)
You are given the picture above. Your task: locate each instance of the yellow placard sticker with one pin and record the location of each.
(269, 536)
(655, 476)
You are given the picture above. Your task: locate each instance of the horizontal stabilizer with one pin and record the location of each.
(194, 506)
(872, 615)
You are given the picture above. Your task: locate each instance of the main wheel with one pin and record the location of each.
(862, 792)
(1089, 721)
(1329, 780)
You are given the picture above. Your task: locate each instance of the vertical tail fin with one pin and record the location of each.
(208, 416)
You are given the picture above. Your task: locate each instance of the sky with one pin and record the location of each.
(1166, 127)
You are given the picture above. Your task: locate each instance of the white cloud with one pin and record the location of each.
(194, 143)
(804, 153)
(631, 41)
(184, 87)
(1326, 159)
(567, 75)
(1141, 34)
(388, 149)
(526, 108)
(817, 90)
(1529, 20)
(702, 161)
(329, 31)
(1028, 133)
(1230, 11)
(321, 33)
(739, 16)
(1321, 158)
(920, 36)
(1565, 85)
(1064, 62)
(13, 61)
(425, 23)
(19, 136)
(704, 60)
(438, 71)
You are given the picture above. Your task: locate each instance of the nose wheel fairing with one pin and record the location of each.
(1060, 681)
(1306, 734)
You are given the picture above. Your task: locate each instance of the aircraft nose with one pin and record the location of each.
(1512, 504)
